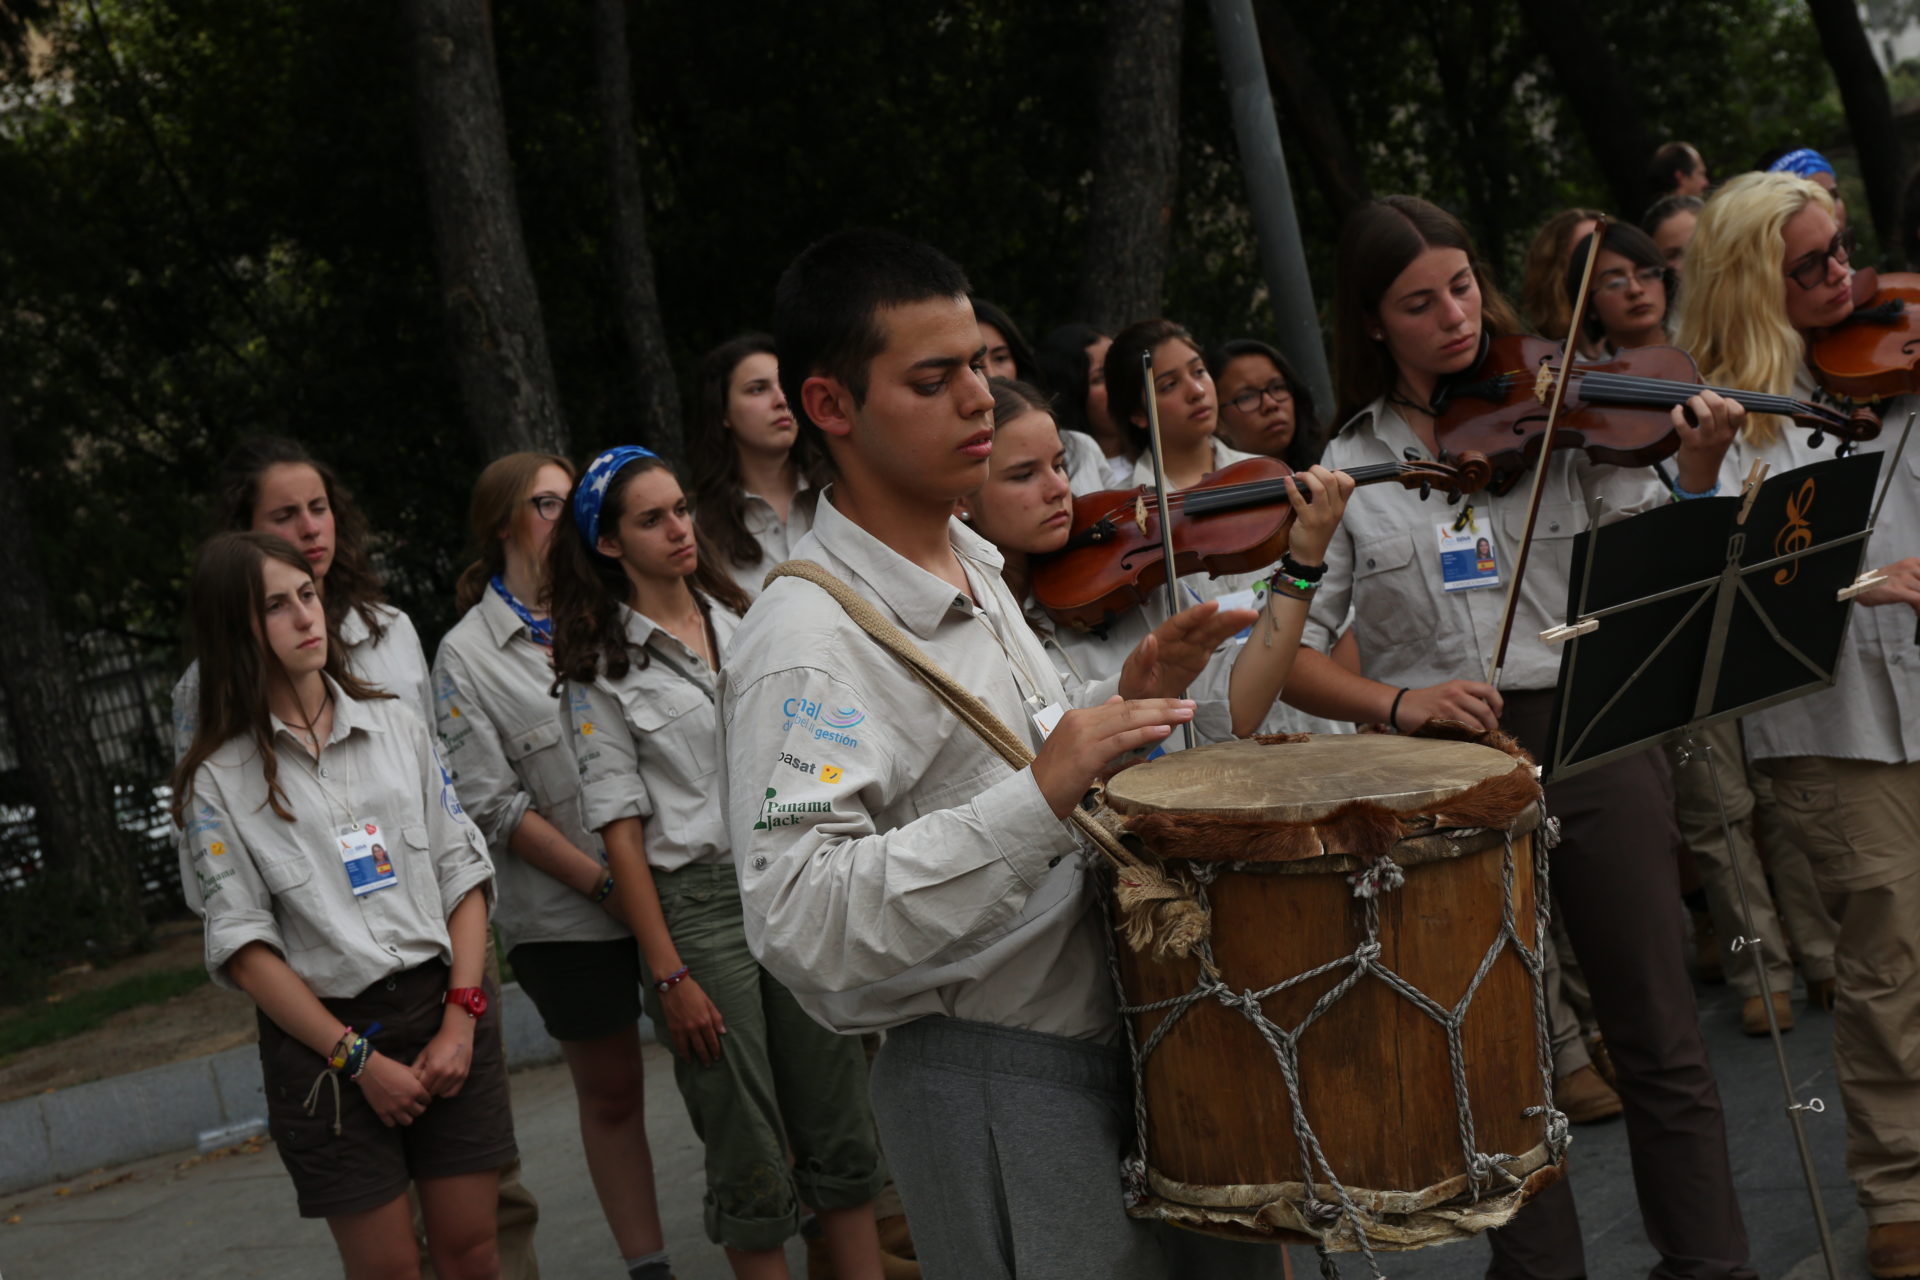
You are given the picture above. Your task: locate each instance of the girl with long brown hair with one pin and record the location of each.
(755, 479)
(1414, 304)
(270, 484)
(641, 624)
(500, 725)
(345, 892)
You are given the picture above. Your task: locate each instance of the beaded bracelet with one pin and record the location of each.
(1686, 495)
(671, 981)
(600, 894)
(361, 1054)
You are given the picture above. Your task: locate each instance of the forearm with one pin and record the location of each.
(284, 996)
(467, 929)
(1261, 668)
(637, 897)
(540, 845)
(1322, 687)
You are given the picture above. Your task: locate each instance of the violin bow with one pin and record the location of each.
(1545, 457)
(1160, 501)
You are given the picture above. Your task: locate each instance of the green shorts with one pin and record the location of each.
(583, 990)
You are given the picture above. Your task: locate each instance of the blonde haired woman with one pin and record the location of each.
(1767, 266)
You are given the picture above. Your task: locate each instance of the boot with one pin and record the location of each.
(1893, 1250)
(1753, 1014)
(1820, 993)
(1585, 1097)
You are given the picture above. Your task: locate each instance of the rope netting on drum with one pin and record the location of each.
(1329, 1206)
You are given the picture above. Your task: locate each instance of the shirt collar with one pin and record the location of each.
(502, 623)
(348, 715)
(919, 598)
(1383, 422)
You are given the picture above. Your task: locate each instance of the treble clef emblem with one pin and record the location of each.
(1796, 534)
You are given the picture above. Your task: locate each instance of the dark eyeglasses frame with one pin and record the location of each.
(1247, 399)
(1811, 272)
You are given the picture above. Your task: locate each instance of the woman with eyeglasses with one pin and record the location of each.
(500, 728)
(1631, 288)
(1768, 267)
(1264, 407)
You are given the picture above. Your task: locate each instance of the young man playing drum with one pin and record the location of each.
(896, 873)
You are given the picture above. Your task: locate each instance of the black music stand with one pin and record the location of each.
(1702, 611)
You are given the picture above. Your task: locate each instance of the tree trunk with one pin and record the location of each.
(1308, 107)
(80, 837)
(1863, 91)
(493, 308)
(1601, 95)
(1136, 162)
(647, 361)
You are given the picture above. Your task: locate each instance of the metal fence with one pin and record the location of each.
(125, 684)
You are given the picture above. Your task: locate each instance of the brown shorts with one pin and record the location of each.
(367, 1164)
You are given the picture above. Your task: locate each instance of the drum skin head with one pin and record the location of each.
(1305, 781)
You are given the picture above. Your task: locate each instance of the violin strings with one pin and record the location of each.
(1254, 492)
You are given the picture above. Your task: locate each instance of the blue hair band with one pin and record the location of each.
(1803, 163)
(590, 495)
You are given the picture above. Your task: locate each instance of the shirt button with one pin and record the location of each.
(1369, 564)
(760, 864)
(325, 774)
(1554, 527)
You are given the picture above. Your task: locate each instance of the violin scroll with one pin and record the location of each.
(1456, 474)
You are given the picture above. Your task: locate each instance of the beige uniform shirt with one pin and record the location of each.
(396, 665)
(648, 744)
(255, 877)
(1384, 562)
(892, 866)
(507, 747)
(1087, 469)
(1872, 712)
(776, 538)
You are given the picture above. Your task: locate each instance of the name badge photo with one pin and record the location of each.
(363, 849)
(1467, 559)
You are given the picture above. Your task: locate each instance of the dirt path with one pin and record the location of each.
(205, 1020)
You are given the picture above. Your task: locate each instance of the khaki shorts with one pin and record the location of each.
(367, 1164)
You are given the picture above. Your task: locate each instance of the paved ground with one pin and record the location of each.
(233, 1217)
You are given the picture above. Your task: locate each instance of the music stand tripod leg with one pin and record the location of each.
(1755, 945)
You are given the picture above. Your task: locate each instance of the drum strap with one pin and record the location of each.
(1159, 913)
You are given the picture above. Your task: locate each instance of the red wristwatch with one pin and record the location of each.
(472, 999)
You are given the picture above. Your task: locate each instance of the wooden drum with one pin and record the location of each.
(1370, 1067)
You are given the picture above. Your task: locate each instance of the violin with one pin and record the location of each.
(1236, 520)
(1619, 412)
(1874, 354)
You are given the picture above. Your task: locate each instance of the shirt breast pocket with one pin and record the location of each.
(1390, 591)
(543, 762)
(283, 875)
(1551, 558)
(681, 724)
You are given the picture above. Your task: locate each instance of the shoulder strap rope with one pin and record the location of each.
(1159, 912)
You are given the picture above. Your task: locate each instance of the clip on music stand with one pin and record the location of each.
(1704, 610)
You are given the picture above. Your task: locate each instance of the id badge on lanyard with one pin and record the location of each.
(363, 850)
(1467, 556)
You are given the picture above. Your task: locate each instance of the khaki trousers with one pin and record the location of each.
(1859, 821)
(1788, 916)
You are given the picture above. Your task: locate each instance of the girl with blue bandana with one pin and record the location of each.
(642, 618)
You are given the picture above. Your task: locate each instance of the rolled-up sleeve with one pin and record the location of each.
(1328, 613)
(611, 787)
(460, 860)
(495, 798)
(831, 902)
(220, 881)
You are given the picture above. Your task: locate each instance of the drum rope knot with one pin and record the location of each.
(1382, 875)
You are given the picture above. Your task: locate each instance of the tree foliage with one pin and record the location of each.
(212, 218)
